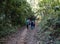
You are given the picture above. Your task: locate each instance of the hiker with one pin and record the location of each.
(27, 22)
(32, 24)
(32, 20)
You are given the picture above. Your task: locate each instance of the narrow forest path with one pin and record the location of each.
(26, 36)
(30, 36)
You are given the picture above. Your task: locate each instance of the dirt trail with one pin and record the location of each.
(18, 38)
(22, 36)
(30, 37)
(26, 36)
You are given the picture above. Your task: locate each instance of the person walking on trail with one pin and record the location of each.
(32, 24)
(27, 23)
(32, 19)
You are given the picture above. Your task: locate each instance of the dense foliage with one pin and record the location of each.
(50, 13)
(12, 14)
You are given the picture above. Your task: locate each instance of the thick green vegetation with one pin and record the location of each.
(13, 14)
(50, 13)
